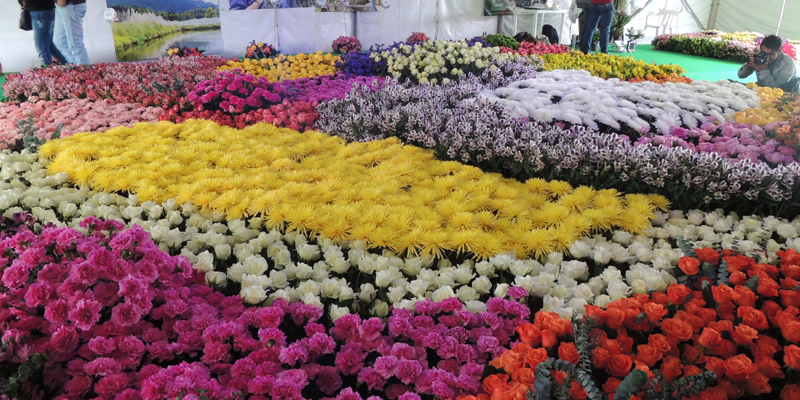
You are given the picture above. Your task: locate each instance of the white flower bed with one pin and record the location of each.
(579, 98)
(265, 265)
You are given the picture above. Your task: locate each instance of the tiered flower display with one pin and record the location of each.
(619, 232)
(715, 44)
(261, 51)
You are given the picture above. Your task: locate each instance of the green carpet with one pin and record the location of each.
(697, 68)
(2, 79)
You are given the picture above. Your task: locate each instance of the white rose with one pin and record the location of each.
(583, 291)
(223, 251)
(411, 266)
(253, 294)
(367, 293)
(367, 265)
(540, 286)
(602, 255)
(696, 217)
(329, 288)
(639, 286)
(204, 262)
(216, 279)
(383, 278)
(602, 300)
(786, 231)
(519, 268)
(501, 290)
(255, 265)
(445, 278)
(485, 268)
(773, 246)
(312, 300)
(580, 249)
(466, 293)
(578, 304)
(339, 265)
(284, 257)
(281, 294)
(379, 309)
(442, 293)
(597, 284)
(417, 287)
(555, 258)
(279, 279)
(575, 269)
(345, 292)
(617, 289)
(337, 312)
(482, 285)
(552, 303)
(501, 261)
(611, 274)
(303, 271)
(463, 275)
(622, 237)
(396, 294)
(308, 252)
(475, 306)
(567, 281)
(561, 292)
(236, 272)
(308, 287)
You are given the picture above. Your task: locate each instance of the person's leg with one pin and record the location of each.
(42, 23)
(591, 26)
(606, 18)
(60, 34)
(74, 32)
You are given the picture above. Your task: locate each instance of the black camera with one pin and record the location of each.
(760, 58)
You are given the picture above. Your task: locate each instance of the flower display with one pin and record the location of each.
(284, 67)
(449, 120)
(358, 64)
(501, 40)
(528, 48)
(533, 207)
(233, 94)
(612, 66)
(297, 115)
(260, 51)
(322, 88)
(417, 38)
(71, 115)
(181, 51)
(439, 61)
(161, 83)
(346, 44)
(735, 46)
(578, 98)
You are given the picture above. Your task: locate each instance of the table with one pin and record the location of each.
(537, 26)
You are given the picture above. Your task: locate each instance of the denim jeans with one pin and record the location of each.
(68, 34)
(43, 23)
(604, 14)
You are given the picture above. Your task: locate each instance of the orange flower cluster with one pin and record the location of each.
(748, 338)
(661, 78)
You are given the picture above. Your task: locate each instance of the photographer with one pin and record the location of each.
(773, 68)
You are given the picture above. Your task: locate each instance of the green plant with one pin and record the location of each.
(29, 140)
(502, 40)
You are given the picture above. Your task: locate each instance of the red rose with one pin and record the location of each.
(739, 263)
(689, 265)
(648, 354)
(757, 384)
(600, 357)
(577, 392)
(654, 311)
(676, 329)
(708, 255)
(535, 356)
(753, 317)
(737, 278)
(791, 392)
(790, 298)
(744, 335)
(769, 367)
(677, 293)
(791, 356)
(660, 342)
(661, 298)
(767, 286)
(619, 365)
(710, 338)
(611, 385)
(568, 352)
(717, 365)
(530, 334)
(614, 318)
(744, 296)
(739, 368)
(671, 368)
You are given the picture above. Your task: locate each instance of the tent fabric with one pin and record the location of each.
(759, 16)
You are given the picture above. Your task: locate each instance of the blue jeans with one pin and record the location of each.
(43, 23)
(68, 34)
(604, 14)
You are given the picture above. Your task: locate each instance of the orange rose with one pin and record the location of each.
(708, 255)
(660, 342)
(771, 308)
(495, 382)
(568, 352)
(676, 329)
(720, 326)
(744, 296)
(530, 334)
(517, 391)
(727, 349)
(559, 376)
(654, 311)
(525, 376)
(739, 263)
(722, 293)
(671, 368)
(733, 389)
(619, 365)
(727, 311)
(767, 286)
(689, 265)
(536, 356)
(737, 278)
(791, 392)
(512, 361)
(769, 367)
(611, 385)
(766, 345)
(598, 313)
(791, 356)
(744, 335)
(549, 338)
(717, 365)
(791, 331)
(710, 338)
(714, 393)
(757, 384)
(791, 271)
(577, 392)
(751, 316)
(600, 357)
(739, 368)
(677, 293)
(790, 298)
(615, 318)
(648, 354)
(661, 298)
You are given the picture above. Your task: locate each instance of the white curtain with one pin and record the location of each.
(303, 30)
(402, 18)
(464, 19)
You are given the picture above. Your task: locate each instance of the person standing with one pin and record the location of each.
(601, 11)
(43, 18)
(68, 31)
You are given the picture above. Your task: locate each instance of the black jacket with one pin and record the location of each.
(37, 5)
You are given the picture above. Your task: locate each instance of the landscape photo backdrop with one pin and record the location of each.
(145, 29)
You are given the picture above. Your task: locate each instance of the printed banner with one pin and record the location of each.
(498, 7)
(352, 5)
(146, 29)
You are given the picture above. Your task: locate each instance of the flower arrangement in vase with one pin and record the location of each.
(417, 37)
(346, 44)
(261, 50)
